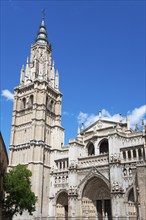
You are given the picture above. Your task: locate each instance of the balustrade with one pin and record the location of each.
(94, 160)
(135, 154)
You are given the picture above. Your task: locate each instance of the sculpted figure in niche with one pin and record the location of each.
(115, 157)
(111, 157)
(130, 172)
(117, 186)
(125, 171)
(30, 101)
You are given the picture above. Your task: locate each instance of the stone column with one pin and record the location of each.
(131, 154)
(117, 200)
(72, 206)
(126, 154)
(136, 154)
(141, 191)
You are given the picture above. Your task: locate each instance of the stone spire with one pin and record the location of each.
(40, 66)
(22, 75)
(128, 122)
(42, 37)
(27, 71)
(57, 80)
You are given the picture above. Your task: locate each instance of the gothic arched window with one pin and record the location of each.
(47, 102)
(131, 204)
(23, 103)
(52, 106)
(103, 148)
(31, 101)
(91, 149)
(131, 196)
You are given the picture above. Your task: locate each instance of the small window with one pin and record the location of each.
(103, 148)
(63, 164)
(91, 149)
(139, 153)
(52, 106)
(124, 155)
(31, 101)
(134, 153)
(129, 154)
(23, 103)
(47, 102)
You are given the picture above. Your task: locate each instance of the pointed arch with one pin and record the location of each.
(96, 198)
(130, 200)
(93, 173)
(62, 204)
(24, 103)
(103, 146)
(90, 148)
(31, 101)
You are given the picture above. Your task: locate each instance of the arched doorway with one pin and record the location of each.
(131, 205)
(62, 206)
(96, 200)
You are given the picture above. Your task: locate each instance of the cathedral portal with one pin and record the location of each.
(62, 206)
(96, 200)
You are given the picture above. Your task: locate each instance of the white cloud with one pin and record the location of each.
(65, 113)
(82, 117)
(69, 114)
(8, 95)
(91, 119)
(135, 117)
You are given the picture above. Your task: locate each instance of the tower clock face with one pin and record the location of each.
(99, 124)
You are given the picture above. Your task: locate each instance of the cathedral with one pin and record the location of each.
(100, 174)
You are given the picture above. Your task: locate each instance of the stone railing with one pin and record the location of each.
(133, 154)
(99, 160)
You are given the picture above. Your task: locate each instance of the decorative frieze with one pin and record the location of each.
(73, 191)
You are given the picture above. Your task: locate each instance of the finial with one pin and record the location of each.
(53, 63)
(57, 73)
(143, 125)
(43, 14)
(79, 131)
(57, 80)
(27, 61)
(128, 122)
(82, 128)
(136, 128)
(22, 67)
(120, 118)
(22, 75)
(100, 115)
(127, 118)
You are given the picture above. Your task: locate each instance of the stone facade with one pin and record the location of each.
(3, 168)
(101, 173)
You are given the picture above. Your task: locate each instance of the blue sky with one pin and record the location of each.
(98, 48)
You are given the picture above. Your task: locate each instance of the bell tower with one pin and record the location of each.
(36, 119)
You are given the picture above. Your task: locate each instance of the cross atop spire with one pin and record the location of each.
(43, 14)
